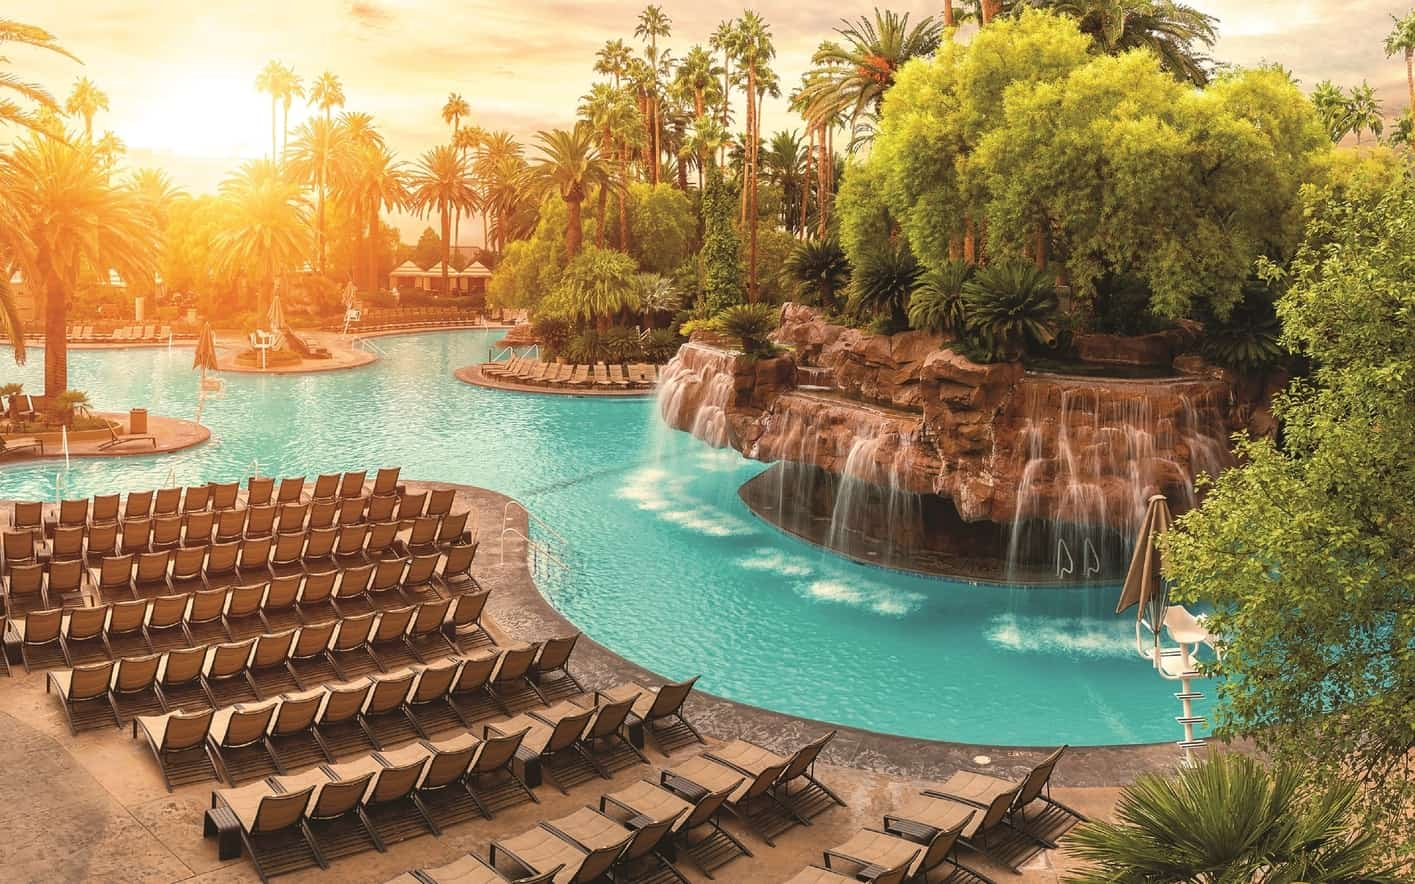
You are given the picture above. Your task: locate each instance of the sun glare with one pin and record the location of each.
(204, 113)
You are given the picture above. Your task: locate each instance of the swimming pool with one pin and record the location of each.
(667, 566)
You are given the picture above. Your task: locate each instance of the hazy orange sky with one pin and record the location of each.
(180, 75)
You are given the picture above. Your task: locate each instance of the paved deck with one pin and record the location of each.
(173, 434)
(473, 374)
(92, 807)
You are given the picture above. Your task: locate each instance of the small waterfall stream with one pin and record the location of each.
(693, 392)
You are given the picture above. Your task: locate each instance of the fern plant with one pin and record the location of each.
(882, 283)
(816, 270)
(936, 304)
(752, 324)
(1010, 307)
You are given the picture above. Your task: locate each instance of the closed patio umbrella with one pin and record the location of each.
(276, 316)
(1144, 582)
(206, 351)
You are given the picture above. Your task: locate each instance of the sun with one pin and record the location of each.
(203, 112)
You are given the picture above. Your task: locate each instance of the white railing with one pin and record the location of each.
(531, 519)
(541, 556)
(496, 354)
(370, 346)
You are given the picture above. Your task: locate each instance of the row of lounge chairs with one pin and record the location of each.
(82, 634)
(127, 334)
(1008, 821)
(521, 370)
(416, 317)
(221, 496)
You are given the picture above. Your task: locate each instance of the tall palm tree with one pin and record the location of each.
(154, 188)
(70, 219)
(268, 232)
(950, 19)
(698, 75)
(320, 142)
(724, 40)
(85, 101)
(12, 328)
(439, 182)
(1333, 109)
(271, 80)
(1229, 819)
(851, 77)
(372, 180)
(453, 110)
(11, 111)
(618, 126)
(754, 54)
(654, 23)
(786, 164)
(498, 165)
(1173, 31)
(571, 165)
(1363, 110)
(326, 94)
(612, 60)
(291, 87)
(109, 149)
(1402, 40)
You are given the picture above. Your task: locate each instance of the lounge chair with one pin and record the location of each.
(429, 704)
(385, 715)
(388, 644)
(581, 377)
(82, 637)
(510, 684)
(105, 510)
(601, 375)
(309, 661)
(24, 589)
(115, 438)
(440, 501)
(273, 828)
(166, 533)
(617, 378)
(455, 574)
(206, 617)
(989, 833)
(164, 627)
(556, 737)
(135, 687)
(470, 696)
(870, 849)
(125, 632)
(420, 581)
(385, 482)
(443, 790)
(753, 801)
(17, 444)
(337, 726)
(392, 806)
(807, 802)
(424, 637)
(196, 498)
(239, 742)
(179, 679)
(260, 491)
(1047, 824)
(291, 738)
(269, 668)
(541, 849)
(278, 610)
(227, 677)
(351, 592)
(471, 869)
(225, 495)
(178, 743)
(66, 583)
(818, 875)
(335, 817)
(242, 617)
(230, 525)
(87, 695)
(696, 829)
(167, 502)
(188, 572)
(348, 650)
(552, 657)
(67, 543)
(661, 710)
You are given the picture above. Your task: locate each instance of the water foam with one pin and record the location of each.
(1071, 636)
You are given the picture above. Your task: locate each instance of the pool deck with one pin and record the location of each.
(473, 374)
(173, 434)
(93, 807)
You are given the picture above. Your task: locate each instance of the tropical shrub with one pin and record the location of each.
(1011, 306)
(817, 270)
(774, 248)
(662, 344)
(553, 332)
(596, 285)
(936, 304)
(1250, 338)
(752, 324)
(621, 344)
(1229, 819)
(586, 348)
(721, 252)
(658, 295)
(662, 225)
(880, 287)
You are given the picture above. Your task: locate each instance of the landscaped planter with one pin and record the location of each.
(56, 436)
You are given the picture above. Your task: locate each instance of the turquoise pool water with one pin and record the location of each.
(666, 564)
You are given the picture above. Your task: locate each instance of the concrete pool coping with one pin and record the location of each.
(522, 611)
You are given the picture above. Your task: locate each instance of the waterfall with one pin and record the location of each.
(1091, 454)
(693, 392)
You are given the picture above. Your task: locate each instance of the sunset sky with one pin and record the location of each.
(180, 75)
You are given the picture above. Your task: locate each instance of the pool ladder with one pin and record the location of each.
(546, 556)
(1178, 664)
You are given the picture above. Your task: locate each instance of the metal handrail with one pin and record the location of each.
(1089, 555)
(1070, 566)
(536, 549)
(531, 518)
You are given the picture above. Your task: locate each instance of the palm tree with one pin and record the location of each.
(852, 77)
(85, 101)
(754, 54)
(612, 60)
(498, 165)
(618, 125)
(950, 20)
(292, 87)
(653, 24)
(817, 269)
(109, 149)
(268, 232)
(1333, 109)
(65, 218)
(1364, 111)
(705, 139)
(1172, 31)
(439, 182)
(724, 40)
(1402, 40)
(453, 110)
(326, 93)
(570, 164)
(1229, 819)
(271, 80)
(154, 188)
(787, 165)
(319, 143)
(372, 180)
(11, 111)
(12, 328)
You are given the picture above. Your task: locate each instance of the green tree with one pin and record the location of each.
(36, 119)
(320, 144)
(1229, 819)
(439, 183)
(326, 93)
(664, 227)
(570, 165)
(720, 256)
(597, 285)
(754, 51)
(1174, 32)
(881, 285)
(268, 232)
(1364, 111)
(1333, 108)
(428, 250)
(818, 270)
(64, 217)
(654, 23)
(1401, 40)
(1304, 551)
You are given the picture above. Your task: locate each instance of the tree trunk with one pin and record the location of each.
(446, 247)
(622, 197)
(949, 19)
(373, 248)
(751, 182)
(969, 242)
(1039, 247)
(56, 343)
(273, 153)
(572, 226)
(599, 215)
(726, 103)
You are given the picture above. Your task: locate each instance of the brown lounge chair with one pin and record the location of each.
(989, 833)
(807, 802)
(559, 745)
(541, 849)
(870, 850)
(661, 710)
(696, 828)
(753, 800)
(470, 869)
(1046, 824)
(178, 742)
(17, 444)
(273, 828)
(116, 438)
(818, 875)
(87, 695)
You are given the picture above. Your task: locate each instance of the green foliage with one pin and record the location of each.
(661, 345)
(817, 269)
(1304, 551)
(658, 295)
(752, 324)
(1229, 819)
(721, 253)
(880, 287)
(1250, 337)
(621, 344)
(1122, 306)
(553, 332)
(428, 251)
(530, 269)
(663, 228)
(936, 304)
(774, 248)
(861, 210)
(596, 284)
(1011, 306)
(586, 348)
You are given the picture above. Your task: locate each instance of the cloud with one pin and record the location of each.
(369, 14)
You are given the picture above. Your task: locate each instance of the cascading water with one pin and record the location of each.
(693, 392)
(1092, 453)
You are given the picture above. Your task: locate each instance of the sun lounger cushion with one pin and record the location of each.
(747, 756)
(885, 851)
(712, 776)
(938, 813)
(653, 802)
